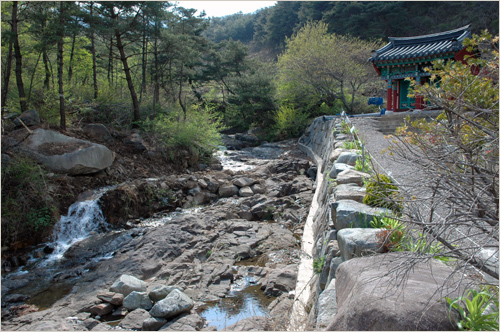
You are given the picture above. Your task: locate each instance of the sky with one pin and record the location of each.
(223, 8)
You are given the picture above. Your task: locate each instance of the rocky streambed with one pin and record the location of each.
(229, 240)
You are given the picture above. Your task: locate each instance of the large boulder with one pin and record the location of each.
(136, 300)
(174, 304)
(134, 320)
(66, 154)
(371, 296)
(160, 292)
(228, 190)
(29, 118)
(126, 284)
(351, 214)
(357, 242)
(97, 132)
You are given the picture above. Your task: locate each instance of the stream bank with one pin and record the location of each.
(203, 252)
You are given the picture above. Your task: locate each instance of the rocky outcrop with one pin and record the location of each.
(371, 298)
(256, 323)
(65, 154)
(280, 281)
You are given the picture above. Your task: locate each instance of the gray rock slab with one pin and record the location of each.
(368, 297)
(192, 322)
(281, 281)
(352, 176)
(334, 155)
(357, 242)
(244, 182)
(126, 284)
(110, 297)
(258, 189)
(352, 214)
(327, 306)
(348, 157)
(174, 304)
(246, 192)
(349, 191)
(338, 168)
(153, 324)
(255, 323)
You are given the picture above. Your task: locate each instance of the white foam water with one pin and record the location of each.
(83, 219)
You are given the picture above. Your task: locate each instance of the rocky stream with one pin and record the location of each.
(227, 242)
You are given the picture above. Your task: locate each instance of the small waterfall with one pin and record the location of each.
(83, 218)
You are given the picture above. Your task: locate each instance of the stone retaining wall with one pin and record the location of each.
(338, 244)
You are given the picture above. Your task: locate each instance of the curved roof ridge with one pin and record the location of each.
(437, 34)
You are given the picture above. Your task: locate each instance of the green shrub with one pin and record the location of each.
(474, 316)
(27, 210)
(198, 134)
(289, 122)
(359, 164)
(381, 192)
(351, 145)
(318, 264)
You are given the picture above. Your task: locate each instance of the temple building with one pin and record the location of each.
(406, 57)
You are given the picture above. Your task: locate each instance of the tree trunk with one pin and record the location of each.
(70, 69)
(144, 59)
(92, 45)
(19, 60)
(184, 109)
(156, 93)
(60, 63)
(110, 61)
(33, 76)
(45, 57)
(126, 68)
(6, 77)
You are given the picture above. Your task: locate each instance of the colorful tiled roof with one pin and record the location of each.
(419, 46)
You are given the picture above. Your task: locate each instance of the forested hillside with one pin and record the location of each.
(157, 66)
(269, 27)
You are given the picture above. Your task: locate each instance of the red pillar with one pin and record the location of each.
(419, 100)
(389, 95)
(395, 90)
